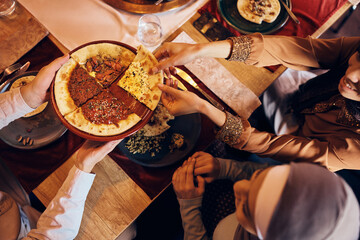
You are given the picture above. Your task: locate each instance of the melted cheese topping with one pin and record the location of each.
(135, 81)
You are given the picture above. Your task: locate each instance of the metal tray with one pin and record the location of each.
(146, 6)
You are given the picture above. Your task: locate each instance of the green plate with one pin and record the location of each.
(228, 10)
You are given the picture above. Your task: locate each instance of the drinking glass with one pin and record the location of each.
(7, 7)
(149, 30)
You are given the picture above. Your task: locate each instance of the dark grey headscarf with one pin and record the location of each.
(315, 204)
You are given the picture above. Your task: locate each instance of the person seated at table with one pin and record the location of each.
(322, 121)
(62, 218)
(289, 201)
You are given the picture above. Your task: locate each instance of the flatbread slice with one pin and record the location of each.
(139, 83)
(104, 50)
(73, 87)
(78, 120)
(158, 123)
(62, 95)
(265, 10)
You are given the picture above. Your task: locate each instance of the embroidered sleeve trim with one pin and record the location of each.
(241, 48)
(231, 131)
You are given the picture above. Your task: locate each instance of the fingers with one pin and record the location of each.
(169, 90)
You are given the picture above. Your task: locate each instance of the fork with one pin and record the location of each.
(9, 70)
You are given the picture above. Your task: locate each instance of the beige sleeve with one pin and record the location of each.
(329, 152)
(293, 52)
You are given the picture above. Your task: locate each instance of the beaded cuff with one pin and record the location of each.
(241, 48)
(231, 131)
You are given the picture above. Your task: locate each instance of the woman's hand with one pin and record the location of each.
(206, 166)
(183, 181)
(173, 54)
(35, 93)
(180, 102)
(92, 152)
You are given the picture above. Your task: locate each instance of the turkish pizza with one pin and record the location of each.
(257, 11)
(83, 88)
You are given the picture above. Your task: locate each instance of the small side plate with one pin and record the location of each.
(43, 128)
(187, 125)
(228, 10)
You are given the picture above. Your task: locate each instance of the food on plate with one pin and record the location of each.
(177, 141)
(140, 144)
(158, 123)
(22, 82)
(82, 88)
(138, 82)
(257, 11)
(103, 115)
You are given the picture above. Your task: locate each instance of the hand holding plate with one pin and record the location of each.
(35, 93)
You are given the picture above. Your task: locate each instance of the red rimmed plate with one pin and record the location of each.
(140, 109)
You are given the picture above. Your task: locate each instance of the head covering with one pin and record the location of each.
(268, 197)
(315, 204)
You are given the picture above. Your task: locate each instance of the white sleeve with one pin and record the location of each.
(62, 218)
(12, 106)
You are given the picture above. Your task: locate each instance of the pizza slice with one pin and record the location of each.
(103, 115)
(104, 61)
(139, 83)
(73, 87)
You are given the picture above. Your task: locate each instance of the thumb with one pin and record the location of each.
(169, 62)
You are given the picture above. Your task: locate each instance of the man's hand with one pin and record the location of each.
(35, 93)
(183, 181)
(92, 152)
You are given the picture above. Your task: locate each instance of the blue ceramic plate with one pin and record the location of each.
(43, 128)
(187, 125)
(228, 10)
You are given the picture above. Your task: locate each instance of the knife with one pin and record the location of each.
(291, 14)
(21, 70)
(191, 81)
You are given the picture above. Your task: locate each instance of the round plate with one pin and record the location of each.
(146, 116)
(228, 10)
(187, 125)
(43, 128)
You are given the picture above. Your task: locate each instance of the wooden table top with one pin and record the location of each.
(115, 200)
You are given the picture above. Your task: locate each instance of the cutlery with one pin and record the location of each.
(189, 80)
(158, 2)
(21, 70)
(9, 70)
(291, 14)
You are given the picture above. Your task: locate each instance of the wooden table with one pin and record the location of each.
(115, 200)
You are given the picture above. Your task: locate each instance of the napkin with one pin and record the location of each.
(77, 22)
(219, 80)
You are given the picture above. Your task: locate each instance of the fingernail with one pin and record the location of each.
(160, 85)
(154, 70)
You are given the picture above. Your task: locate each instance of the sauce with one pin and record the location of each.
(105, 109)
(82, 86)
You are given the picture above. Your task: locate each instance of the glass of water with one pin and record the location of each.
(149, 30)
(7, 7)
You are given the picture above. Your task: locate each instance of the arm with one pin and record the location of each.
(238, 133)
(258, 50)
(62, 218)
(190, 198)
(211, 168)
(18, 102)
